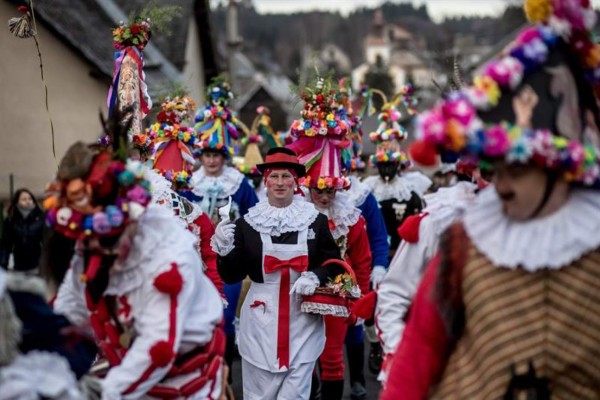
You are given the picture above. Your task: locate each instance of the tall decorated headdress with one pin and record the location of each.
(535, 104)
(320, 135)
(173, 141)
(216, 124)
(390, 133)
(129, 87)
(97, 191)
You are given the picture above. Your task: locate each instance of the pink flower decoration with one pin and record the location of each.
(496, 142)
(575, 149)
(459, 110)
(498, 72)
(138, 194)
(528, 35)
(434, 127)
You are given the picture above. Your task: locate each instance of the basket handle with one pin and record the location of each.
(342, 264)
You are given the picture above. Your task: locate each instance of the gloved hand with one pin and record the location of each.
(306, 284)
(377, 275)
(222, 241)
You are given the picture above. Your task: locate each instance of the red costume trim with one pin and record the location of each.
(271, 265)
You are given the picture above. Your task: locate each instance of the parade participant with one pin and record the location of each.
(399, 196)
(135, 279)
(510, 307)
(41, 354)
(319, 148)
(280, 244)
(420, 236)
(215, 182)
(362, 198)
(173, 162)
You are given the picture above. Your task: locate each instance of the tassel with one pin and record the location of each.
(409, 230)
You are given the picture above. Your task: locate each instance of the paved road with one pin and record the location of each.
(372, 385)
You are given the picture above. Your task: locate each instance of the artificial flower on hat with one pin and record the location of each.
(320, 135)
(217, 126)
(534, 104)
(173, 141)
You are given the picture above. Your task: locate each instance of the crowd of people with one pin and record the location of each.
(168, 255)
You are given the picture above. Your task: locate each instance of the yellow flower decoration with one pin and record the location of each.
(330, 117)
(560, 142)
(490, 87)
(321, 183)
(538, 10)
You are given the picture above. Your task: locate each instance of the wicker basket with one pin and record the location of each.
(326, 302)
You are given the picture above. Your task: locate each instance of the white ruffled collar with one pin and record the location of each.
(358, 191)
(342, 215)
(419, 181)
(551, 242)
(273, 221)
(227, 183)
(400, 188)
(448, 204)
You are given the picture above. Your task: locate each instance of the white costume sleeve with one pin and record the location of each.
(159, 318)
(70, 299)
(395, 292)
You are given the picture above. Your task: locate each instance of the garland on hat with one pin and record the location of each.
(390, 157)
(216, 125)
(133, 196)
(453, 126)
(321, 133)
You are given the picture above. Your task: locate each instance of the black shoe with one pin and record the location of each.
(358, 391)
(332, 390)
(375, 358)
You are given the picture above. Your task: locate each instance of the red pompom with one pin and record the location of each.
(169, 282)
(409, 230)
(162, 354)
(365, 306)
(423, 153)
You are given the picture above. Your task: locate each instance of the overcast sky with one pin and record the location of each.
(438, 9)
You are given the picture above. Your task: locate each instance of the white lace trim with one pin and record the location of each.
(420, 182)
(358, 191)
(399, 189)
(228, 182)
(39, 374)
(158, 237)
(449, 204)
(273, 221)
(324, 309)
(552, 242)
(343, 214)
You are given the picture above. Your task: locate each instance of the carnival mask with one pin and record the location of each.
(387, 170)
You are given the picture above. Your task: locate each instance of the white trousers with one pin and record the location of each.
(260, 384)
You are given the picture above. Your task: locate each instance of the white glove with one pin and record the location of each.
(222, 241)
(377, 275)
(306, 284)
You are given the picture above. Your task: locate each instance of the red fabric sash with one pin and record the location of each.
(271, 265)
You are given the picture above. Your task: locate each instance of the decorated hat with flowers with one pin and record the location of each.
(97, 191)
(129, 80)
(535, 104)
(390, 133)
(216, 124)
(173, 141)
(320, 135)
